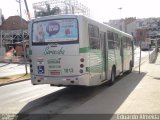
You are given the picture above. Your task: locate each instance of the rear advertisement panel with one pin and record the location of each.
(61, 30)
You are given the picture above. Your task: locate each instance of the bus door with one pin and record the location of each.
(104, 55)
(122, 54)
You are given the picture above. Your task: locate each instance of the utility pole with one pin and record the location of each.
(28, 14)
(23, 44)
(120, 11)
(1, 44)
(140, 57)
(120, 18)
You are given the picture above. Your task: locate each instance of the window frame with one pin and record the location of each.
(94, 40)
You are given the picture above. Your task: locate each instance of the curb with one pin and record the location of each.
(4, 64)
(14, 62)
(3, 84)
(142, 62)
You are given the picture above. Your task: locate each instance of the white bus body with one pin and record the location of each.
(76, 50)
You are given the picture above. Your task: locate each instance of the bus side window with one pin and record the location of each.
(111, 44)
(94, 40)
(129, 44)
(116, 42)
(111, 41)
(124, 42)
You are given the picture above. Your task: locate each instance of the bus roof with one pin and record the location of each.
(75, 16)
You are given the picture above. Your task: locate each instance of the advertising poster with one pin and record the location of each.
(62, 30)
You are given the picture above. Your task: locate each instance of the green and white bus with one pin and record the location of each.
(67, 50)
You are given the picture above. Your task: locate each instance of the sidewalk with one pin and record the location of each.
(11, 73)
(133, 94)
(12, 59)
(11, 68)
(145, 98)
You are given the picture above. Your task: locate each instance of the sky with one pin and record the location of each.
(101, 10)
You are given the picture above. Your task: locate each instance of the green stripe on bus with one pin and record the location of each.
(84, 50)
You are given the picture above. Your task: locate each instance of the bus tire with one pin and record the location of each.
(130, 67)
(113, 76)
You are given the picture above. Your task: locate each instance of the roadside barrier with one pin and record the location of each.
(153, 55)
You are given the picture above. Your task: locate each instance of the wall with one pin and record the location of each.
(131, 28)
(0, 16)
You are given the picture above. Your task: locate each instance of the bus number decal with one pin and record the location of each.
(68, 70)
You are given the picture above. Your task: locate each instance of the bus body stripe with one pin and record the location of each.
(84, 50)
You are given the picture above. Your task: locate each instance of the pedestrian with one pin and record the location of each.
(14, 52)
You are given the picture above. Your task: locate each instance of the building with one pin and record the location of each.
(141, 34)
(0, 16)
(11, 34)
(138, 28)
(14, 23)
(148, 28)
(127, 25)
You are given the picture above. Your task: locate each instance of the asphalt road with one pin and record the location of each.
(15, 96)
(24, 98)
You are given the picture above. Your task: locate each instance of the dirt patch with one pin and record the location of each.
(14, 78)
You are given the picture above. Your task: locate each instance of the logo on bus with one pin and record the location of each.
(52, 28)
(60, 51)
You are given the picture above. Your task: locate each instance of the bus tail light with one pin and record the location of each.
(30, 65)
(81, 65)
(82, 59)
(81, 71)
(31, 70)
(30, 61)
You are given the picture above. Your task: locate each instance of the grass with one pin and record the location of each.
(13, 78)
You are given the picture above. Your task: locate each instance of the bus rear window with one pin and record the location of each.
(62, 30)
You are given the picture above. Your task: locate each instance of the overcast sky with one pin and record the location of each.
(101, 10)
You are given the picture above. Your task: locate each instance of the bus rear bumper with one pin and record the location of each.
(82, 80)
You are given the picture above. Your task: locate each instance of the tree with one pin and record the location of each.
(49, 11)
(55, 11)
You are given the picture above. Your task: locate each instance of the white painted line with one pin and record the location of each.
(30, 98)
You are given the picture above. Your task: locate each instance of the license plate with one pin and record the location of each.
(54, 72)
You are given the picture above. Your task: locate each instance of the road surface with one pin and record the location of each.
(24, 98)
(7, 69)
(27, 99)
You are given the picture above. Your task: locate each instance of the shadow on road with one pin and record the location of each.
(82, 102)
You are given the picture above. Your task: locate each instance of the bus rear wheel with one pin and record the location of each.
(113, 77)
(130, 67)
